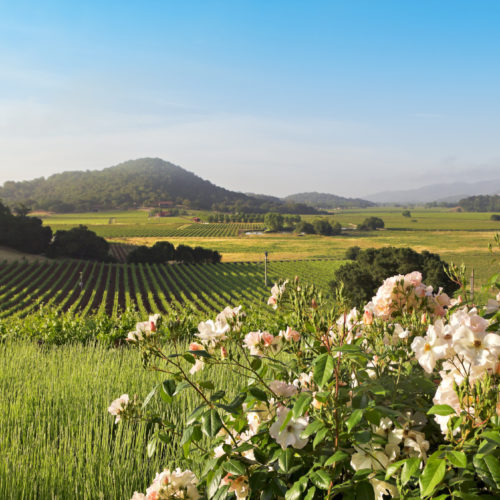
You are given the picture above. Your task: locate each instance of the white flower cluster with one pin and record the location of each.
(118, 406)
(405, 293)
(169, 485)
(144, 329)
(260, 342)
(469, 350)
(276, 293)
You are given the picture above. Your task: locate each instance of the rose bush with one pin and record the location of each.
(399, 400)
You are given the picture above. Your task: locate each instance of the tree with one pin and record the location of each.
(274, 221)
(371, 224)
(372, 266)
(406, 213)
(21, 210)
(80, 243)
(304, 227)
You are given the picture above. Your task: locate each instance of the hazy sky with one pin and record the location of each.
(349, 97)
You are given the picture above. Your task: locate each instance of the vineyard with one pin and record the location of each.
(214, 230)
(85, 287)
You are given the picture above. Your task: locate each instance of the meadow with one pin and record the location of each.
(56, 437)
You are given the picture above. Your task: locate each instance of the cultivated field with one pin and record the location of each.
(90, 287)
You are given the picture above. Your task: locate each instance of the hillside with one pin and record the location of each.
(449, 192)
(135, 183)
(326, 200)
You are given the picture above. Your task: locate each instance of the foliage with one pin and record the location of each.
(324, 227)
(330, 403)
(481, 203)
(325, 200)
(495, 217)
(23, 233)
(371, 224)
(305, 227)
(274, 221)
(80, 243)
(373, 265)
(135, 183)
(406, 213)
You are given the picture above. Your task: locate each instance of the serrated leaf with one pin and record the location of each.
(180, 387)
(285, 459)
(432, 475)
(217, 395)
(442, 410)
(189, 358)
(313, 427)
(257, 393)
(207, 384)
(234, 467)
(323, 369)
(295, 492)
(410, 466)
(321, 479)
(338, 456)
(195, 414)
(213, 482)
(320, 436)
(393, 468)
(354, 419)
(211, 423)
(301, 404)
(457, 458)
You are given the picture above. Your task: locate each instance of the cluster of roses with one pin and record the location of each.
(171, 484)
(470, 354)
(405, 294)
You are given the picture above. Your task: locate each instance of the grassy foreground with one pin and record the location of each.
(57, 440)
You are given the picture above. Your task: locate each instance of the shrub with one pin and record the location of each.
(304, 227)
(495, 217)
(372, 266)
(406, 213)
(371, 224)
(331, 403)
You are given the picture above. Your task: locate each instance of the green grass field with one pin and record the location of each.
(57, 439)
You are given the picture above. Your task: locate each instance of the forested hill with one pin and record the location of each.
(135, 183)
(326, 200)
(481, 203)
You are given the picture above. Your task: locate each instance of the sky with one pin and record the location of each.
(348, 97)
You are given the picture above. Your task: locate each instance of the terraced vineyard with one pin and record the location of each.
(191, 230)
(84, 287)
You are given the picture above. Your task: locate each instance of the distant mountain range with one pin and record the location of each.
(450, 192)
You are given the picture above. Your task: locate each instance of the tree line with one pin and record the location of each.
(481, 203)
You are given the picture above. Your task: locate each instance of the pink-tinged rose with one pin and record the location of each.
(367, 317)
(414, 278)
(194, 346)
(267, 338)
(291, 334)
(443, 299)
(283, 389)
(223, 352)
(423, 318)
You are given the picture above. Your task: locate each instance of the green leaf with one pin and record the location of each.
(213, 481)
(410, 466)
(493, 467)
(295, 492)
(393, 468)
(168, 390)
(320, 436)
(323, 369)
(234, 467)
(310, 493)
(301, 404)
(207, 384)
(338, 456)
(364, 491)
(285, 460)
(192, 433)
(149, 397)
(432, 475)
(217, 395)
(321, 479)
(492, 436)
(457, 458)
(183, 385)
(442, 410)
(313, 427)
(203, 354)
(189, 358)
(258, 393)
(286, 421)
(354, 419)
(211, 423)
(195, 414)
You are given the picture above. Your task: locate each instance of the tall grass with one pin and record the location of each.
(57, 440)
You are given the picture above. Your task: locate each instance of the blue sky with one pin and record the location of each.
(349, 97)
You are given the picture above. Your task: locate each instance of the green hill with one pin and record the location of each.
(135, 183)
(326, 200)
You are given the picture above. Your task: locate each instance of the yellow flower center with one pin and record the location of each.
(477, 343)
(427, 347)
